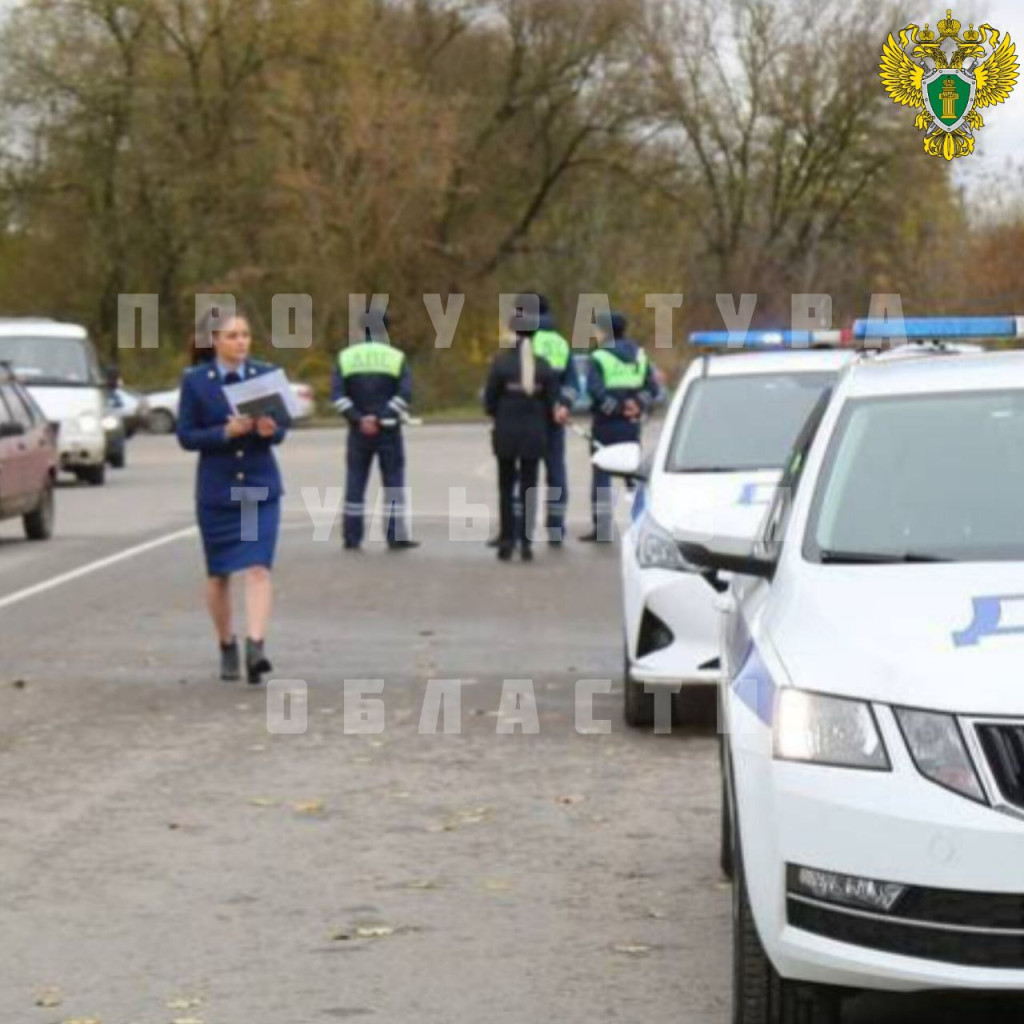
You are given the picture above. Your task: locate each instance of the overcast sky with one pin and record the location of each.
(1001, 140)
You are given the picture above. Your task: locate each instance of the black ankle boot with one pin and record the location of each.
(230, 666)
(256, 664)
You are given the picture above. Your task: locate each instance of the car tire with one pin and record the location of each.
(39, 522)
(760, 994)
(638, 708)
(160, 421)
(118, 459)
(95, 476)
(727, 854)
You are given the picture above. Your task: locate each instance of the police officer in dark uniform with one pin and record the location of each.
(372, 388)
(550, 346)
(520, 397)
(622, 384)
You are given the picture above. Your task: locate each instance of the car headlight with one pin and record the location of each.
(938, 749)
(656, 548)
(110, 422)
(88, 423)
(816, 729)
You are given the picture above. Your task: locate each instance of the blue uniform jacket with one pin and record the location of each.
(610, 425)
(383, 395)
(224, 464)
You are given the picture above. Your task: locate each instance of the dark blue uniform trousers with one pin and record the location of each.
(389, 449)
(602, 496)
(556, 476)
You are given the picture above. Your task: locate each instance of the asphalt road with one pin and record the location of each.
(166, 858)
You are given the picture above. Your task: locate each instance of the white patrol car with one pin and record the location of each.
(727, 433)
(874, 736)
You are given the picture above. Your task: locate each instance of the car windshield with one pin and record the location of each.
(934, 478)
(50, 360)
(744, 422)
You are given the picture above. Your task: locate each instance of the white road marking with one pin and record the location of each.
(104, 563)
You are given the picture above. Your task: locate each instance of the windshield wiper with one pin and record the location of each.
(878, 558)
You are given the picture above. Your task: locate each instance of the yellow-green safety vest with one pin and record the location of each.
(371, 357)
(620, 376)
(550, 345)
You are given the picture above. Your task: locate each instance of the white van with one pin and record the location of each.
(57, 364)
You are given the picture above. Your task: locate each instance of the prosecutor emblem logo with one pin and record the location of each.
(949, 78)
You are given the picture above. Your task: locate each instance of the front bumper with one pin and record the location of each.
(960, 860)
(684, 603)
(79, 449)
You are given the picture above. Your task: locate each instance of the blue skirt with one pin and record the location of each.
(239, 536)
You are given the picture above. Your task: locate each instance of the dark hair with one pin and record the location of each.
(527, 311)
(201, 343)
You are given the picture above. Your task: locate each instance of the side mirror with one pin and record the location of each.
(721, 556)
(624, 460)
(11, 429)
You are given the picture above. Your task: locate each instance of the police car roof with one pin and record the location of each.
(39, 327)
(988, 371)
(788, 360)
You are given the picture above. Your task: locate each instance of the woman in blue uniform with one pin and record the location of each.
(238, 490)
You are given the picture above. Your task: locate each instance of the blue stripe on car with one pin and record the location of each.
(755, 687)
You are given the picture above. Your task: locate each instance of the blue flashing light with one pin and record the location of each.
(762, 339)
(934, 328)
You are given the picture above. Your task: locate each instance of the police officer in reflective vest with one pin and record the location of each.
(551, 346)
(622, 384)
(372, 389)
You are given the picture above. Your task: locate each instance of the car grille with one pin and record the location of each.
(974, 944)
(1003, 745)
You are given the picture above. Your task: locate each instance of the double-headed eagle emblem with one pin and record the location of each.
(948, 79)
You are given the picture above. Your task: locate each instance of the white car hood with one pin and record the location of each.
(945, 637)
(712, 504)
(65, 403)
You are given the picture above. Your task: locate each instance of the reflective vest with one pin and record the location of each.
(371, 357)
(620, 376)
(550, 345)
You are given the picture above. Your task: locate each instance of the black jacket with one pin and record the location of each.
(520, 420)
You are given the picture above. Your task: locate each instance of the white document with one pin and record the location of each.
(270, 394)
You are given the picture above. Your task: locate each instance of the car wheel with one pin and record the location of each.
(760, 995)
(639, 705)
(726, 856)
(160, 421)
(95, 476)
(117, 459)
(39, 522)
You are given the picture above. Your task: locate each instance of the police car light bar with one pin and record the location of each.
(936, 328)
(764, 339)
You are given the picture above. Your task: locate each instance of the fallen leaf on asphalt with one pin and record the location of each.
(657, 915)
(310, 807)
(49, 997)
(374, 931)
(19, 684)
(184, 1004)
(632, 949)
(260, 801)
(422, 884)
(186, 1020)
(568, 801)
(498, 885)
(83, 1020)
